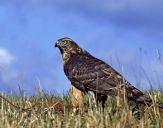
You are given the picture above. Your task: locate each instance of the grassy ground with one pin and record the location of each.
(54, 111)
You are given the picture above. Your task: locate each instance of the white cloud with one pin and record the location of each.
(8, 73)
(6, 58)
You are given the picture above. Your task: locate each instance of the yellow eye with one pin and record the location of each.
(65, 42)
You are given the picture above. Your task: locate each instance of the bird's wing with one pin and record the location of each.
(89, 73)
(93, 73)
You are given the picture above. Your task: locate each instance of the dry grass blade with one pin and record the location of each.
(116, 114)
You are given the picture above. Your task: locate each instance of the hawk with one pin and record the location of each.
(88, 73)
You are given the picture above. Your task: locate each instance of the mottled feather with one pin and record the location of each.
(88, 73)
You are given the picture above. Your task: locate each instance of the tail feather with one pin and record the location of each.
(139, 96)
(160, 105)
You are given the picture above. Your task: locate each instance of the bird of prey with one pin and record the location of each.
(88, 73)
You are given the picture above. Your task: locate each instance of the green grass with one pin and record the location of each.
(55, 111)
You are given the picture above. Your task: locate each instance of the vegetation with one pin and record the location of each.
(55, 111)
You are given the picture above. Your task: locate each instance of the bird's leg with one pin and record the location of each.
(77, 99)
(100, 99)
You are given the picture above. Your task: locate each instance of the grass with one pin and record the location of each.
(55, 111)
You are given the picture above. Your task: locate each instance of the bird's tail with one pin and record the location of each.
(160, 105)
(138, 96)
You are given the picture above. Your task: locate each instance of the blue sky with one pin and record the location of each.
(124, 33)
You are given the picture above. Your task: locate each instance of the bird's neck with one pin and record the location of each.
(67, 55)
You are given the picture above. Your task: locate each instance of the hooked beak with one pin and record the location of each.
(56, 44)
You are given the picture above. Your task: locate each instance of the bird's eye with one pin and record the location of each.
(65, 42)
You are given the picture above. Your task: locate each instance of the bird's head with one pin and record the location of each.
(67, 45)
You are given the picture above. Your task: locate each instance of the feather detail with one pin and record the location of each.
(88, 73)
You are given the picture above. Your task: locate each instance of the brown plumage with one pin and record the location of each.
(77, 99)
(88, 73)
